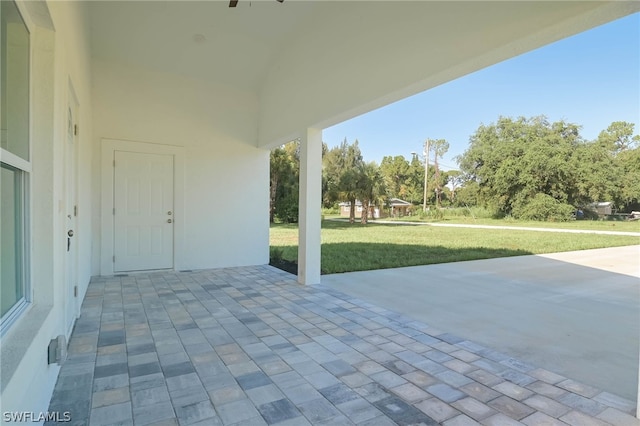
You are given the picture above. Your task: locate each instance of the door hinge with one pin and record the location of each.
(75, 129)
(75, 291)
(75, 210)
(114, 259)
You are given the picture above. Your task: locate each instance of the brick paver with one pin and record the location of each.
(250, 346)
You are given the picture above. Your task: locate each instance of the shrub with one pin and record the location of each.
(445, 213)
(432, 214)
(330, 211)
(589, 214)
(286, 209)
(473, 212)
(275, 254)
(542, 207)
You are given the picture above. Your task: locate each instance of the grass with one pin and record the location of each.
(347, 247)
(591, 225)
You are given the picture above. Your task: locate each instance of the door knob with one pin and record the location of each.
(169, 221)
(70, 232)
(169, 213)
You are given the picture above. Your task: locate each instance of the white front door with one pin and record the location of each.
(71, 211)
(143, 211)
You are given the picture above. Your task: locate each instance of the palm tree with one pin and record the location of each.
(340, 171)
(349, 185)
(371, 188)
(439, 147)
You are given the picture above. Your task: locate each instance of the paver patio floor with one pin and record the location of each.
(250, 346)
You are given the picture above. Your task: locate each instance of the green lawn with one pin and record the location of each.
(347, 247)
(597, 225)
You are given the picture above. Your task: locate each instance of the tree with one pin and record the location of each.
(543, 207)
(630, 180)
(371, 188)
(597, 174)
(395, 172)
(439, 148)
(403, 179)
(413, 188)
(606, 168)
(515, 159)
(284, 176)
(619, 137)
(332, 166)
(455, 178)
(468, 195)
(340, 172)
(512, 161)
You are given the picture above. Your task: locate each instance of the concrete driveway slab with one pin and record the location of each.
(574, 313)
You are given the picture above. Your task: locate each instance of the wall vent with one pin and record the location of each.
(57, 350)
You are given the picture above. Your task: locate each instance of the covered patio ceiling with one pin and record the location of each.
(316, 63)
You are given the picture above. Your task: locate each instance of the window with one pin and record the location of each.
(12, 237)
(15, 165)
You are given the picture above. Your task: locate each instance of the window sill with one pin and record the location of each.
(19, 339)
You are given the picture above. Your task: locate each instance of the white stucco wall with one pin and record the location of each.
(59, 57)
(226, 176)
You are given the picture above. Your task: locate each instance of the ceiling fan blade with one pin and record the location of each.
(234, 3)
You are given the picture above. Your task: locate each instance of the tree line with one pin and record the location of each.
(347, 177)
(526, 168)
(530, 168)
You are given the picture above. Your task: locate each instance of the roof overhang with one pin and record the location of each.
(317, 63)
(355, 57)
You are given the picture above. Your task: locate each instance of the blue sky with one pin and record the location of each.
(590, 79)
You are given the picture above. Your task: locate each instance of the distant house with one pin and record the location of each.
(602, 208)
(398, 207)
(345, 208)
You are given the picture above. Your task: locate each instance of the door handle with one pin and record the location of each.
(169, 212)
(69, 235)
(169, 221)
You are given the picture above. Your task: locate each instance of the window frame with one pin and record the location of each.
(25, 170)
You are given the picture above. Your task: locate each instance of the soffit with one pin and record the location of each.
(359, 56)
(315, 63)
(201, 39)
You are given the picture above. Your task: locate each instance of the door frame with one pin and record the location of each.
(70, 207)
(109, 147)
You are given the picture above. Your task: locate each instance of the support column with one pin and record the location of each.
(309, 207)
